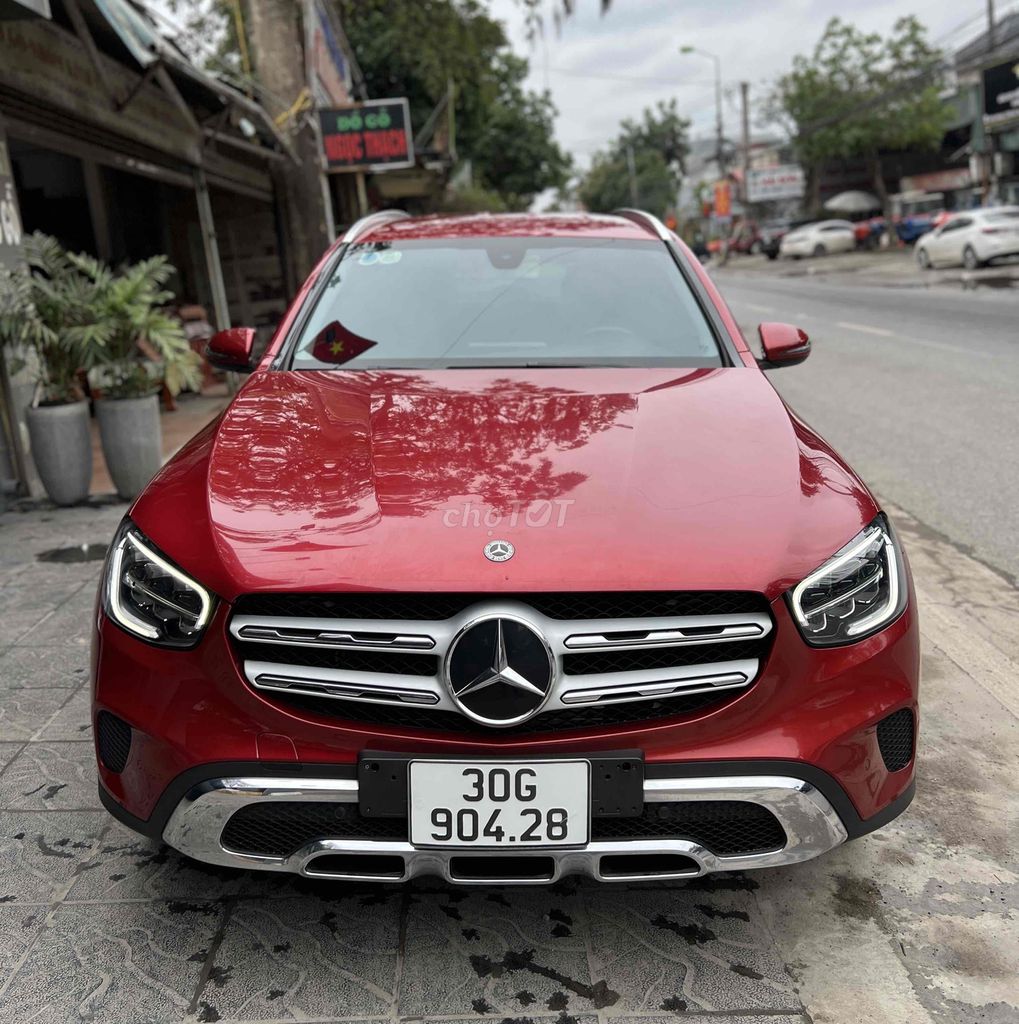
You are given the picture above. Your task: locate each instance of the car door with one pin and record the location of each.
(958, 238)
(942, 245)
(838, 237)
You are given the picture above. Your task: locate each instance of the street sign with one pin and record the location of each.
(10, 221)
(784, 182)
(370, 136)
(723, 199)
(1001, 92)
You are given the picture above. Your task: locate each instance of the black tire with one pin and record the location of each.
(923, 259)
(970, 260)
(772, 254)
(820, 250)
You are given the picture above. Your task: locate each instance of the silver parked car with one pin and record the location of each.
(971, 238)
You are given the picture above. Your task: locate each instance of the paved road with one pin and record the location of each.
(915, 924)
(919, 389)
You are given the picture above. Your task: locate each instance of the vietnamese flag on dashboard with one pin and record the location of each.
(335, 344)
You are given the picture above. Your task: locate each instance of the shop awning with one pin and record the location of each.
(148, 48)
(14, 10)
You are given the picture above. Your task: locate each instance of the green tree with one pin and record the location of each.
(516, 153)
(658, 146)
(861, 95)
(417, 50)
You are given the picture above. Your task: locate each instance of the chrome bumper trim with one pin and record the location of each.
(811, 824)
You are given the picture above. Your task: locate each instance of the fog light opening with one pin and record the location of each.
(357, 865)
(647, 865)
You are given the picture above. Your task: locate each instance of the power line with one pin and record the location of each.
(631, 78)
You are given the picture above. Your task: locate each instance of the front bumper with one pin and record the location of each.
(810, 822)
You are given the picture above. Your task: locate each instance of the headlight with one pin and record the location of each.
(151, 598)
(859, 590)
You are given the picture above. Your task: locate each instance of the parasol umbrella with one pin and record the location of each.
(853, 202)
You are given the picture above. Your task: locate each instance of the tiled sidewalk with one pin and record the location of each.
(98, 924)
(913, 925)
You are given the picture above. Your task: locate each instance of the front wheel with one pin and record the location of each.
(820, 250)
(970, 260)
(923, 259)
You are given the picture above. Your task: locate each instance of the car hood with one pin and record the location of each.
(602, 479)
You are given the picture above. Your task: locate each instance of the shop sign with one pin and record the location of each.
(374, 135)
(784, 182)
(723, 199)
(1001, 92)
(937, 181)
(10, 220)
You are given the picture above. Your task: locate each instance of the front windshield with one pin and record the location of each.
(494, 302)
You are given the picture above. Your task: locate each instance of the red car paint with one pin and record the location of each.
(342, 480)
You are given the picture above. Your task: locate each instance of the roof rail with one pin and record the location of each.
(373, 220)
(646, 220)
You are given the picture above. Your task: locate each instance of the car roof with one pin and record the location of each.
(508, 225)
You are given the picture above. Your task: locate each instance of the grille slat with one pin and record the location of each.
(635, 604)
(621, 657)
(725, 827)
(353, 661)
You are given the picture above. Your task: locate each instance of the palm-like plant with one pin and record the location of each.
(45, 308)
(124, 310)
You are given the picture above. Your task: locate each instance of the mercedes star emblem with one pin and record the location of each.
(499, 670)
(499, 551)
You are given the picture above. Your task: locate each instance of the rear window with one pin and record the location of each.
(493, 302)
(1003, 217)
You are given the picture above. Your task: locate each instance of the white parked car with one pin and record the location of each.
(819, 239)
(971, 238)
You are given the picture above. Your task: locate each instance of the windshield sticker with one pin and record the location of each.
(390, 256)
(335, 344)
(368, 259)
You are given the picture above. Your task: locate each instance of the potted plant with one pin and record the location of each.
(142, 349)
(43, 317)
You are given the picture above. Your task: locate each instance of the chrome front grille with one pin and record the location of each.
(343, 655)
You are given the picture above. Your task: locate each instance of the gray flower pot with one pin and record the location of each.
(132, 441)
(62, 450)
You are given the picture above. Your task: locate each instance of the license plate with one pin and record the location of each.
(504, 804)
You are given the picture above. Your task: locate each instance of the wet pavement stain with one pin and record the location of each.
(481, 1005)
(746, 972)
(693, 934)
(74, 553)
(207, 1013)
(525, 998)
(725, 915)
(673, 1004)
(599, 993)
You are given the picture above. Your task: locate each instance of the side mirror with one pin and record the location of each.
(783, 345)
(232, 349)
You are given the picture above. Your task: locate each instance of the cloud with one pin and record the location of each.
(638, 43)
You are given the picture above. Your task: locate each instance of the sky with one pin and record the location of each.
(602, 69)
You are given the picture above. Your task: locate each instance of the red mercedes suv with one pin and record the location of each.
(506, 563)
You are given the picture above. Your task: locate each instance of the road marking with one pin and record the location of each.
(866, 328)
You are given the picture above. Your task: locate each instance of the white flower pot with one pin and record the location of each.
(62, 450)
(132, 441)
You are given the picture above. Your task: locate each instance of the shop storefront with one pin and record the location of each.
(119, 147)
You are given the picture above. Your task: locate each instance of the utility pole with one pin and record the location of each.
(276, 41)
(991, 177)
(744, 96)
